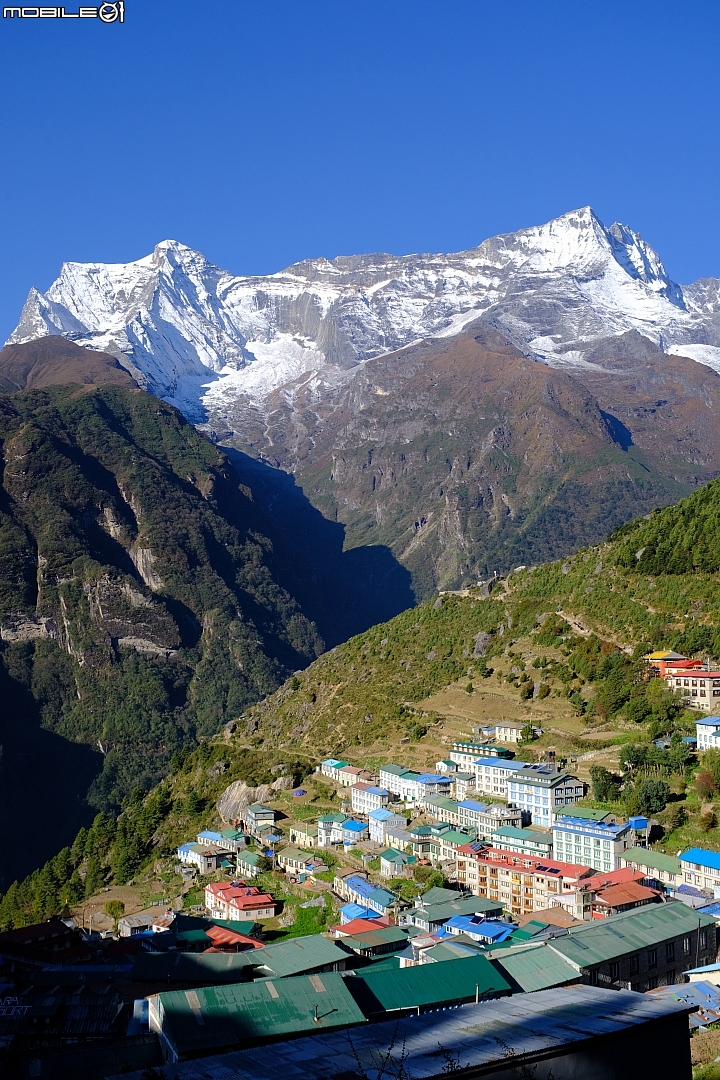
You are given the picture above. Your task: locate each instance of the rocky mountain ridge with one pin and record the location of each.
(200, 337)
(461, 413)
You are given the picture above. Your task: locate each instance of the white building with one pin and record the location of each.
(699, 687)
(487, 818)
(542, 791)
(591, 843)
(331, 767)
(382, 819)
(492, 775)
(367, 797)
(701, 868)
(330, 829)
(708, 733)
(464, 784)
(399, 781)
(508, 731)
(442, 809)
(465, 753)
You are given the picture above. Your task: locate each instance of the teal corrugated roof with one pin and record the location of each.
(618, 935)
(215, 1017)
(535, 968)
(639, 856)
(427, 984)
(284, 958)
(371, 939)
(472, 905)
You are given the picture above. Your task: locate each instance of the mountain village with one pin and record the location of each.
(483, 884)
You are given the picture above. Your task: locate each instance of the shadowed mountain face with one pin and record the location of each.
(147, 593)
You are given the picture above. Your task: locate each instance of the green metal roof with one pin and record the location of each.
(199, 968)
(212, 1018)
(291, 957)
(426, 985)
(442, 802)
(451, 950)
(372, 939)
(395, 770)
(640, 856)
(296, 854)
(470, 906)
(240, 926)
(619, 935)
(249, 858)
(438, 895)
(526, 835)
(586, 812)
(454, 836)
(534, 968)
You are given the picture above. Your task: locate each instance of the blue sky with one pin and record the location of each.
(266, 131)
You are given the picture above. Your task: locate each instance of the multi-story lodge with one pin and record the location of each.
(522, 883)
(366, 797)
(541, 790)
(592, 843)
(492, 775)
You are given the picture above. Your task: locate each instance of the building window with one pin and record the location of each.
(652, 959)
(652, 982)
(703, 939)
(594, 977)
(670, 978)
(669, 951)
(634, 965)
(615, 971)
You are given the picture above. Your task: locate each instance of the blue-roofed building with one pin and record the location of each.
(357, 911)
(209, 837)
(701, 869)
(382, 819)
(360, 890)
(353, 832)
(488, 931)
(433, 784)
(708, 732)
(591, 843)
(492, 774)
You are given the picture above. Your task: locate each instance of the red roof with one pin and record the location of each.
(529, 864)
(241, 897)
(221, 935)
(251, 903)
(360, 926)
(614, 877)
(628, 893)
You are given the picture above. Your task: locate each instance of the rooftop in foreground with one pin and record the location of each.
(477, 1037)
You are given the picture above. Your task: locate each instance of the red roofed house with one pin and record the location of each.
(618, 898)
(225, 900)
(620, 890)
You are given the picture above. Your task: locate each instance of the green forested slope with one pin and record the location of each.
(139, 606)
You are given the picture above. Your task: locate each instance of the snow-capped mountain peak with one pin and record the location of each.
(197, 335)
